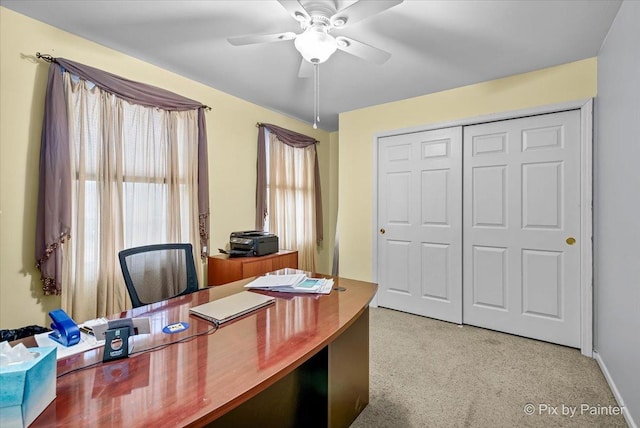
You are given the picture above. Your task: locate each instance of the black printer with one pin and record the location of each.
(252, 243)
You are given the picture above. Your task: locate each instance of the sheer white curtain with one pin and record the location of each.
(291, 199)
(134, 182)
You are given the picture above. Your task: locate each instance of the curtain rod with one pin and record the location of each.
(45, 57)
(49, 58)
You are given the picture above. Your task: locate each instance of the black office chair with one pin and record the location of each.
(158, 272)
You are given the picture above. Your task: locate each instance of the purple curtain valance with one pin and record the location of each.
(134, 92)
(53, 222)
(293, 139)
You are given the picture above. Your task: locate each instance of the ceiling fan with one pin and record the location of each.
(317, 19)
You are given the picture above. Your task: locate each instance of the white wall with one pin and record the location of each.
(617, 207)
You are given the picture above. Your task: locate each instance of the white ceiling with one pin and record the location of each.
(435, 45)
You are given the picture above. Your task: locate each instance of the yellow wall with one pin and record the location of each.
(232, 148)
(232, 142)
(553, 85)
(329, 186)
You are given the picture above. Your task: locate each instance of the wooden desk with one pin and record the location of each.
(303, 361)
(222, 269)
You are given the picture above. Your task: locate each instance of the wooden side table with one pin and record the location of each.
(223, 269)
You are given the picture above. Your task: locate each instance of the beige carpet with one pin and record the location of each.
(428, 373)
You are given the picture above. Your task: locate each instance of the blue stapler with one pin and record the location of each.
(65, 331)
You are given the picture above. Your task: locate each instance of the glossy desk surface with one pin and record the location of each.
(202, 378)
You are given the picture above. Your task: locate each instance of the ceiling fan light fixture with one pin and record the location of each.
(316, 46)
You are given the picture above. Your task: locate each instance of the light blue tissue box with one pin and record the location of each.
(26, 389)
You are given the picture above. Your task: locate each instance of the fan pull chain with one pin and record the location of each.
(318, 93)
(316, 90)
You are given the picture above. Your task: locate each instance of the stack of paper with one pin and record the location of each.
(297, 283)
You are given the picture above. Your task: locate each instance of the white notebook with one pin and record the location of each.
(230, 307)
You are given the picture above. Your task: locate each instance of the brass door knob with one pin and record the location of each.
(383, 231)
(571, 240)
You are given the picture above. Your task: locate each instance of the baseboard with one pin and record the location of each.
(614, 389)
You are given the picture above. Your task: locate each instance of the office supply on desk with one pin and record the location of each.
(86, 330)
(87, 326)
(176, 327)
(116, 339)
(231, 307)
(116, 342)
(267, 281)
(309, 285)
(294, 283)
(65, 330)
(140, 325)
(153, 273)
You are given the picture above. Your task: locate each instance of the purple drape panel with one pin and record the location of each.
(293, 139)
(53, 223)
(261, 181)
(54, 201)
(203, 184)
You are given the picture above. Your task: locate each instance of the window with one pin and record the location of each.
(134, 182)
(291, 198)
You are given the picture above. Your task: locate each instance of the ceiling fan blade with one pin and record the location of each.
(360, 10)
(306, 69)
(362, 50)
(260, 38)
(296, 10)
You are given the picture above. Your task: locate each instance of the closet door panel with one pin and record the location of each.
(420, 218)
(521, 269)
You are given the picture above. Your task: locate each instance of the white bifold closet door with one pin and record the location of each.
(521, 221)
(420, 235)
(479, 225)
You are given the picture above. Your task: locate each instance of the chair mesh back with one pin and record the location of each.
(158, 275)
